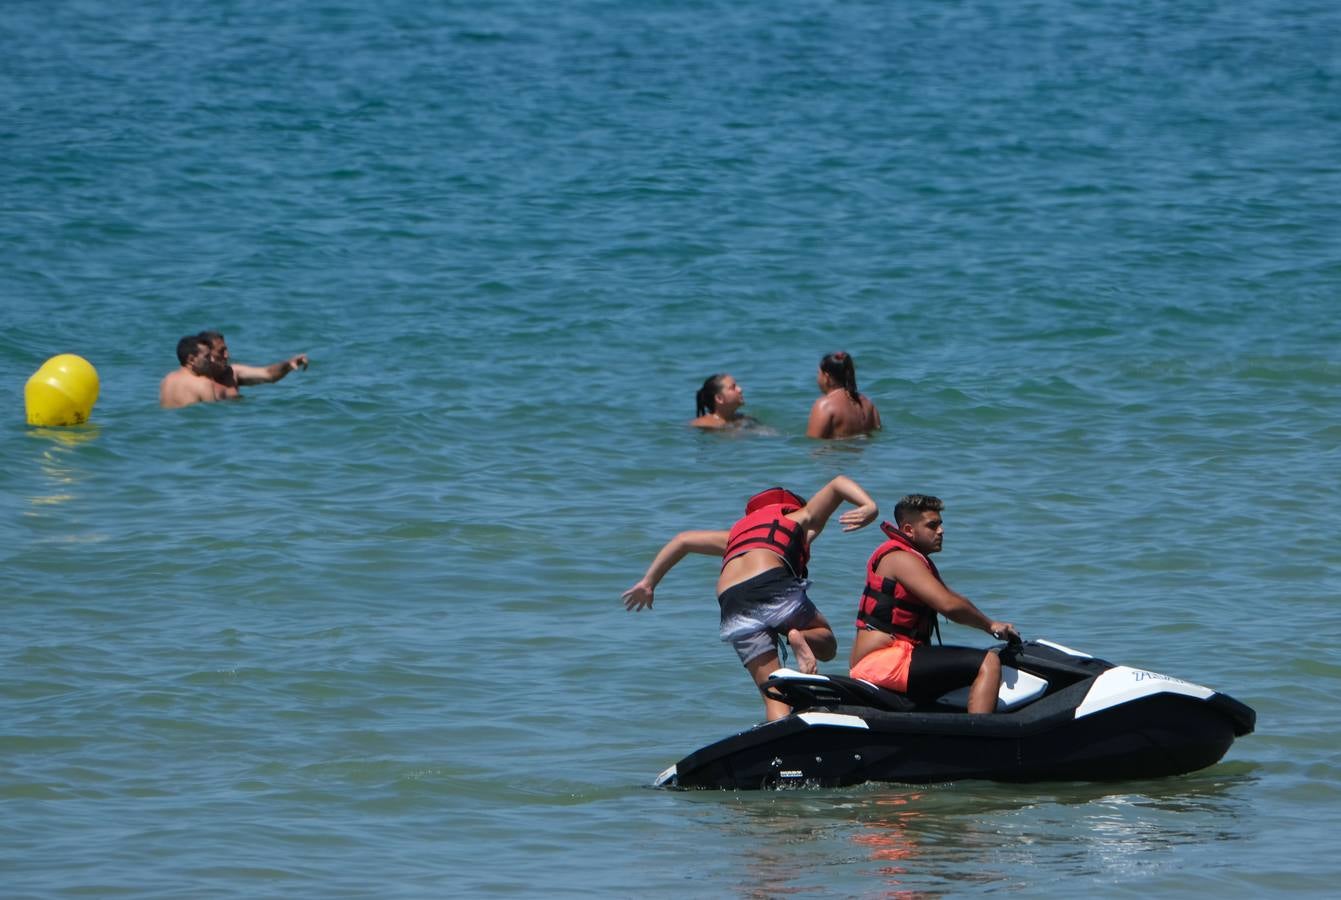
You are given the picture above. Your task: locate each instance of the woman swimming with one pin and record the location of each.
(841, 411)
(718, 404)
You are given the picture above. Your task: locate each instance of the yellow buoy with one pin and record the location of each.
(62, 392)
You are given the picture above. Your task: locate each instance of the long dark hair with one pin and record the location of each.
(838, 366)
(706, 398)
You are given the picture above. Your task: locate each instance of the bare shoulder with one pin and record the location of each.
(898, 564)
(870, 414)
(822, 418)
(184, 388)
(174, 390)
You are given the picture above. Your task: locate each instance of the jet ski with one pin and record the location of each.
(1062, 715)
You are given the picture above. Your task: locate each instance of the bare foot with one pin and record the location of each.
(805, 658)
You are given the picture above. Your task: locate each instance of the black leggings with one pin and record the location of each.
(933, 670)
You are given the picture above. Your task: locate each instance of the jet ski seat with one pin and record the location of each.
(802, 692)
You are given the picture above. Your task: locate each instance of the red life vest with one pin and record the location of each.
(885, 604)
(768, 528)
(772, 497)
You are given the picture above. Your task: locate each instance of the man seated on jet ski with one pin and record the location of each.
(897, 616)
(762, 588)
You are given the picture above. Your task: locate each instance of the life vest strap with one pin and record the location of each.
(923, 612)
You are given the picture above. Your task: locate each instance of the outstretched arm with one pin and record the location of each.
(268, 374)
(710, 543)
(919, 582)
(816, 513)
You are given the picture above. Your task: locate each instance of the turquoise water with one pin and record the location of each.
(360, 634)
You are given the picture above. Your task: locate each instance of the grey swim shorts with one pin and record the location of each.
(759, 611)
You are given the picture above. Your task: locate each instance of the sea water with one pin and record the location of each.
(360, 634)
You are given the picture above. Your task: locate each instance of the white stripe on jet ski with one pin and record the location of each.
(1067, 650)
(1122, 684)
(836, 719)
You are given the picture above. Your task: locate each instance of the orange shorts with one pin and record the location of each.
(886, 667)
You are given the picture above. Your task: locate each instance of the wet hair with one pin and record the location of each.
(706, 399)
(914, 505)
(838, 366)
(187, 346)
(211, 337)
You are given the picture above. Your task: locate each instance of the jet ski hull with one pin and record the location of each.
(1149, 727)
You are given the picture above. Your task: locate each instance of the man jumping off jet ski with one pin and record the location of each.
(897, 616)
(762, 587)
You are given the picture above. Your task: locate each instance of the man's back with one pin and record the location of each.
(184, 387)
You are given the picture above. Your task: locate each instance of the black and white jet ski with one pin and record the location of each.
(1062, 715)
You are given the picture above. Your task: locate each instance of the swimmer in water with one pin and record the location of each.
(718, 404)
(841, 411)
(197, 379)
(230, 374)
